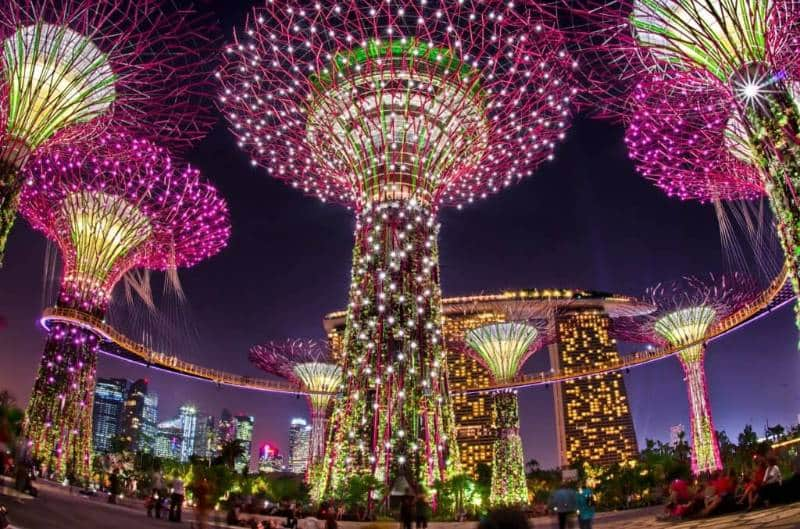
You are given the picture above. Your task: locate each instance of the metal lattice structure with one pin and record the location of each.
(687, 309)
(395, 109)
(110, 206)
(71, 67)
(709, 90)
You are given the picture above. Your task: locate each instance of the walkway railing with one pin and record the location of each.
(144, 355)
(777, 294)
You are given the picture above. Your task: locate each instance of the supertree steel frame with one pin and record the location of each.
(396, 109)
(308, 364)
(739, 62)
(110, 205)
(503, 348)
(71, 66)
(686, 309)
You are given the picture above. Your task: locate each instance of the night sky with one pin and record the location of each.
(586, 220)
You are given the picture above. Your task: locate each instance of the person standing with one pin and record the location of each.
(201, 491)
(585, 505)
(563, 503)
(422, 511)
(113, 485)
(176, 500)
(407, 510)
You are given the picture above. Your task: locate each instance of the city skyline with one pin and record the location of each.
(669, 238)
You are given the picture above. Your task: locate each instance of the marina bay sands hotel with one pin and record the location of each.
(593, 419)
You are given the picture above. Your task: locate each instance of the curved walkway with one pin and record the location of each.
(777, 294)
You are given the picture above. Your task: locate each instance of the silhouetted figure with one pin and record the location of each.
(176, 500)
(114, 486)
(422, 510)
(407, 509)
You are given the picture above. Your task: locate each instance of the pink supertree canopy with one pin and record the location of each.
(362, 102)
(142, 63)
(118, 203)
(687, 140)
(622, 43)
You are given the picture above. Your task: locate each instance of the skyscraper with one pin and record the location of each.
(205, 438)
(149, 423)
(244, 434)
(593, 417)
(299, 436)
(169, 439)
(109, 399)
(270, 459)
(226, 428)
(133, 430)
(187, 419)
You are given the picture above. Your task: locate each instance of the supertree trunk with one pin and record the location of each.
(12, 155)
(774, 125)
(316, 445)
(705, 449)
(58, 422)
(395, 417)
(509, 486)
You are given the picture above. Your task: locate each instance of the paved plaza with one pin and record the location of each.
(56, 508)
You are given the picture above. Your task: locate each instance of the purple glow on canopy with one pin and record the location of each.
(479, 96)
(154, 215)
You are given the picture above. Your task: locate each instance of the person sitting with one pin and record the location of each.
(723, 487)
(752, 487)
(679, 497)
(770, 490)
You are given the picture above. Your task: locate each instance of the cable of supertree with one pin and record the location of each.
(110, 205)
(503, 349)
(686, 310)
(740, 58)
(70, 67)
(308, 364)
(396, 109)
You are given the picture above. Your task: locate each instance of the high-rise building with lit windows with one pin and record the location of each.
(109, 399)
(244, 434)
(188, 421)
(299, 437)
(133, 432)
(169, 439)
(593, 416)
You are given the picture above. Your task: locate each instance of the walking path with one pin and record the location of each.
(57, 509)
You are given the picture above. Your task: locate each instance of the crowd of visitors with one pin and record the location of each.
(724, 492)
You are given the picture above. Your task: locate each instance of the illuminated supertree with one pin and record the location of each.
(503, 348)
(686, 310)
(71, 66)
(396, 109)
(307, 363)
(110, 205)
(723, 72)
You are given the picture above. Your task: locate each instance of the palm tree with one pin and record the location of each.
(532, 465)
